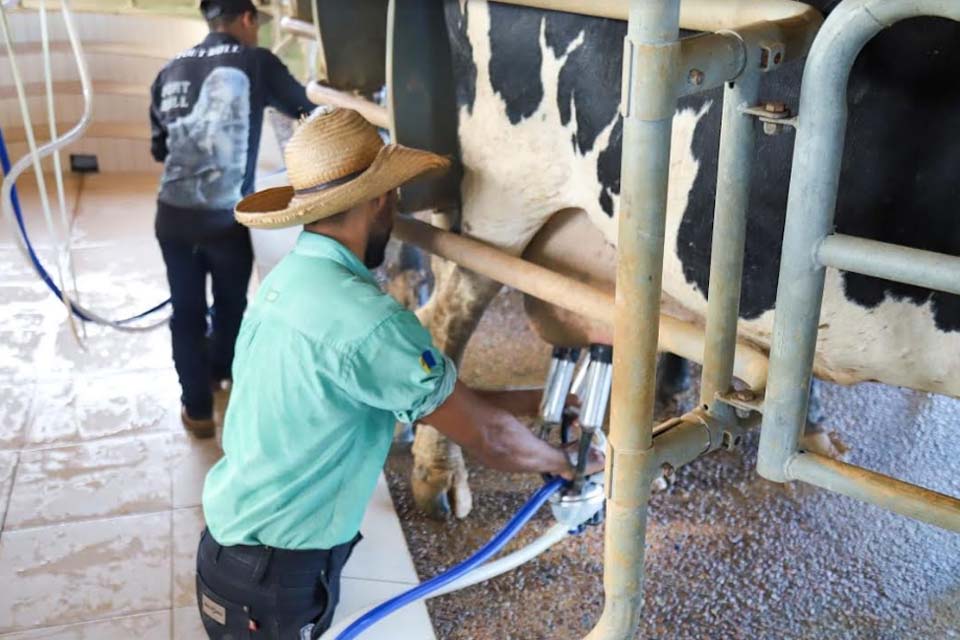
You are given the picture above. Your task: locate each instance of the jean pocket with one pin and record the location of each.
(222, 618)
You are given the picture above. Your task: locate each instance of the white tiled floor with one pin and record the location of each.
(99, 486)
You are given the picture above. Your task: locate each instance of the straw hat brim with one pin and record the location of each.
(394, 166)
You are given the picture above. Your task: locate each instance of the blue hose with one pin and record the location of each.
(35, 259)
(482, 555)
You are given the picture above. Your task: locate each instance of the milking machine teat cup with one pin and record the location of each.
(581, 503)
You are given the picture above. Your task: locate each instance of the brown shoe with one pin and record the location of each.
(204, 428)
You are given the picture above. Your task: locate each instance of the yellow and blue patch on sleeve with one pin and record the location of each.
(427, 361)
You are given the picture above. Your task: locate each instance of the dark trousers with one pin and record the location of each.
(202, 351)
(251, 592)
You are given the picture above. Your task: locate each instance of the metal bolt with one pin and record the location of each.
(696, 77)
(775, 107)
(776, 110)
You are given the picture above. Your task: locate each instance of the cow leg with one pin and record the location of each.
(439, 474)
(673, 376)
(412, 259)
(816, 439)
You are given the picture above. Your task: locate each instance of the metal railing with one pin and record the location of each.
(809, 246)
(747, 39)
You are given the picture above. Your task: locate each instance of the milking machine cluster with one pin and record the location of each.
(591, 385)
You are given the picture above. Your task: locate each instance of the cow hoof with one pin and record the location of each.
(438, 493)
(673, 377)
(824, 444)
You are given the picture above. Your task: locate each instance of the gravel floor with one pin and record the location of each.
(729, 555)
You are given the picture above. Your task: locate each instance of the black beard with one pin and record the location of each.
(376, 251)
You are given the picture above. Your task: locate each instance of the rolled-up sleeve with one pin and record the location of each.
(397, 368)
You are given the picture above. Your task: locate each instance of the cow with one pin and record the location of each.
(540, 132)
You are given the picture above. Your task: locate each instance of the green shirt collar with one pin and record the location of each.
(320, 246)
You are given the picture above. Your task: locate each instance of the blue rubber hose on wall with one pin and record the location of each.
(35, 259)
(486, 552)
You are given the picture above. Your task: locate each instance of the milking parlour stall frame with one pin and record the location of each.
(737, 43)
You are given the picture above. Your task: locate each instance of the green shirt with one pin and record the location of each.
(325, 364)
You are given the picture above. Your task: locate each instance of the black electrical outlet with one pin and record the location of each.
(84, 163)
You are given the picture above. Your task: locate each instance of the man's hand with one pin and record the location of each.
(495, 436)
(595, 461)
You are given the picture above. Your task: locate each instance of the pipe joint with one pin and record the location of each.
(645, 98)
(629, 474)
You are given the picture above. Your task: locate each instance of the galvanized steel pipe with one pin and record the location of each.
(697, 15)
(298, 28)
(711, 59)
(745, 31)
(734, 172)
(374, 113)
(902, 264)
(651, 57)
(900, 497)
(810, 214)
(676, 336)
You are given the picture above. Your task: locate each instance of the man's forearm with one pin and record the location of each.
(519, 402)
(494, 435)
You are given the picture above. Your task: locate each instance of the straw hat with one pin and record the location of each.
(335, 160)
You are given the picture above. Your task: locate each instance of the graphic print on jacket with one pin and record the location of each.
(208, 146)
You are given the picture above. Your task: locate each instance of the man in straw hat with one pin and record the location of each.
(325, 364)
(206, 116)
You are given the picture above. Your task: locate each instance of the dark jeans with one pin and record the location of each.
(200, 359)
(246, 592)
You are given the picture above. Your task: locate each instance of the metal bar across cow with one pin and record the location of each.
(676, 336)
(320, 94)
(697, 15)
(891, 262)
(807, 245)
(374, 113)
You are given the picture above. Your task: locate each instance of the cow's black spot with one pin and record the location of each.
(899, 180)
(765, 216)
(560, 33)
(590, 89)
(461, 51)
(608, 168)
(516, 59)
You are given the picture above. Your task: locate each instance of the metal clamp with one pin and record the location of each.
(774, 116)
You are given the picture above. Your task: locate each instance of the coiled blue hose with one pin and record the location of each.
(482, 555)
(35, 259)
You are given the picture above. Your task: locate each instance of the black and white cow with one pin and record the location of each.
(538, 94)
